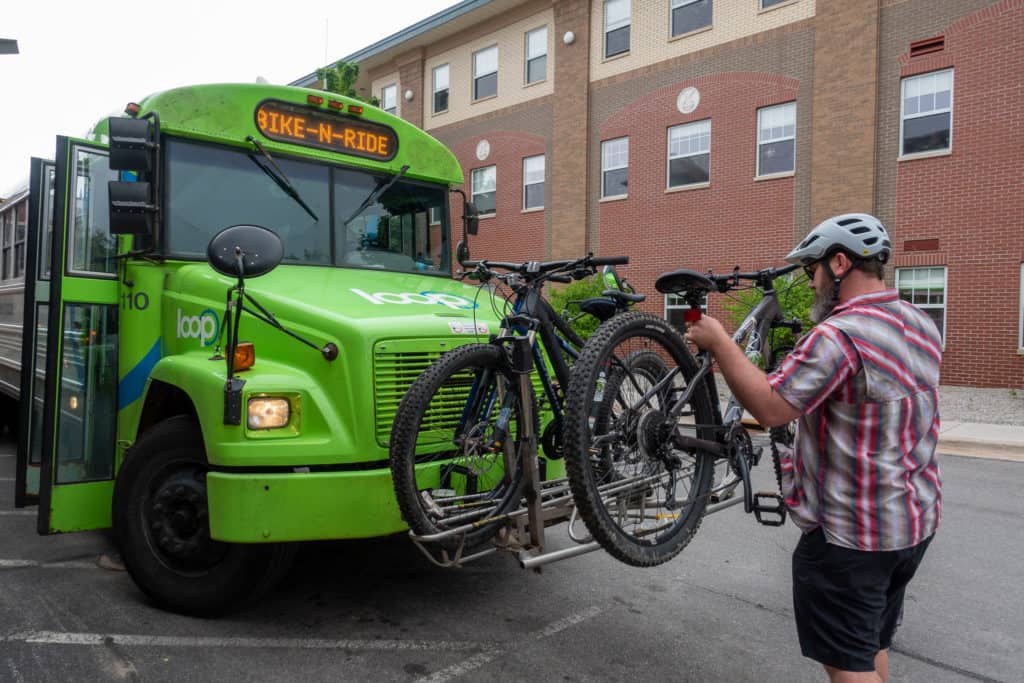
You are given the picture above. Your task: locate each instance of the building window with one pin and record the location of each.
(765, 4)
(6, 244)
(614, 167)
(926, 113)
(776, 139)
(616, 27)
(485, 73)
(389, 99)
(20, 231)
(533, 182)
(690, 15)
(689, 153)
(675, 308)
(484, 189)
(537, 55)
(926, 289)
(440, 88)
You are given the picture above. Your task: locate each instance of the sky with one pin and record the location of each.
(79, 62)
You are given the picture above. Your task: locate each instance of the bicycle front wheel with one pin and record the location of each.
(641, 495)
(457, 444)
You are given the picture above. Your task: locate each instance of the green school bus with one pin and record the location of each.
(215, 418)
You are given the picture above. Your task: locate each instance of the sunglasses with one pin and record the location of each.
(811, 269)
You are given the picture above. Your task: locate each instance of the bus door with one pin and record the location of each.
(33, 347)
(76, 297)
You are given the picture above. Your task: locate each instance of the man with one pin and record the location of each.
(863, 483)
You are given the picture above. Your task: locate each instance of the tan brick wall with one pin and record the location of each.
(512, 89)
(845, 98)
(650, 31)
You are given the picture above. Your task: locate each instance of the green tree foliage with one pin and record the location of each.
(566, 300)
(340, 78)
(795, 298)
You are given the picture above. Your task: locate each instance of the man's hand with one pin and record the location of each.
(708, 334)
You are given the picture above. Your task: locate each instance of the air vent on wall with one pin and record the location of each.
(923, 47)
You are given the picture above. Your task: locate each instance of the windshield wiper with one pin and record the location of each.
(278, 176)
(377, 192)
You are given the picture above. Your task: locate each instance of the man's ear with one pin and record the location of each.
(841, 264)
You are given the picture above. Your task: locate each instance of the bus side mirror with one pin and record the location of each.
(471, 216)
(132, 144)
(131, 211)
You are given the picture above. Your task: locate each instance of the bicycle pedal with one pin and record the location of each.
(769, 508)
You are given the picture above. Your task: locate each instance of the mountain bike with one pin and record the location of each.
(641, 470)
(464, 444)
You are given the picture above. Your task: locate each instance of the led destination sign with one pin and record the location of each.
(312, 128)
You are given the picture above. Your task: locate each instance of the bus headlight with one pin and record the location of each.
(268, 413)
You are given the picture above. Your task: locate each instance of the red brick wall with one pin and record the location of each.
(734, 221)
(972, 201)
(511, 235)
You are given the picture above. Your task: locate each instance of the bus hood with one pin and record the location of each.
(377, 303)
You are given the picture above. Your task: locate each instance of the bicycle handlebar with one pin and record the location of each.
(765, 276)
(538, 267)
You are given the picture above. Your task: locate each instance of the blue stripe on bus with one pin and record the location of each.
(130, 388)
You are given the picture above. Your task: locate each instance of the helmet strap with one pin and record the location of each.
(837, 280)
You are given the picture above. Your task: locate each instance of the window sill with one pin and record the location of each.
(925, 155)
(774, 176)
(696, 31)
(439, 113)
(484, 99)
(615, 57)
(685, 188)
(530, 85)
(1020, 352)
(764, 10)
(535, 209)
(486, 216)
(616, 198)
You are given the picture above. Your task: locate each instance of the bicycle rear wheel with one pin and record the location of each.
(456, 460)
(640, 495)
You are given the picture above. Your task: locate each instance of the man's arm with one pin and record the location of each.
(748, 382)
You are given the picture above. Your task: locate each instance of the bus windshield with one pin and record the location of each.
(209, 188)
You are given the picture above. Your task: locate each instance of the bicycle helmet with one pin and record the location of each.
(860, 235)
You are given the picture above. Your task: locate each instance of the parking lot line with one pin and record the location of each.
(69, 564)
(479, 660)
(60, 638)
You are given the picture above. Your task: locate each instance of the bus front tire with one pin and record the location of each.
(162, 529)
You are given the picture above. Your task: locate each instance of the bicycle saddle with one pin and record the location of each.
(600, 307)
(683, 280)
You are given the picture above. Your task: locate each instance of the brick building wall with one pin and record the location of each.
(967, 205)
(841, 62)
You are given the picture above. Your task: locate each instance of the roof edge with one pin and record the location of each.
(420, 27)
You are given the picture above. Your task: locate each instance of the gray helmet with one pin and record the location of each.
(860, 235)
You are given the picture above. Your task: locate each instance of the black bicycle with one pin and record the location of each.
(642, 470)
(468, 426)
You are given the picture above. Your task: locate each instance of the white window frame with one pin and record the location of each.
(435, 90)
(774, 3)
(673, 5)
(605, 144)
(929, 306)
(473, 190)
(531, 57)
(477, 75)
(903, 115)
(669, 156)
(780, 138)
(673, 302)
(1020, 319)
(543, 176)
(622, 23)
(393, 88)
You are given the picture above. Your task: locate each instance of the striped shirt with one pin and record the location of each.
(864, 468)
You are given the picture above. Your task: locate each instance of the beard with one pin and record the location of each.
(822, 305)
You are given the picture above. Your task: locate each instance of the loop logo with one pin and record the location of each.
(205, 327)
(459, 303)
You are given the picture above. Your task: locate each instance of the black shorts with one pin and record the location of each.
(848, 603)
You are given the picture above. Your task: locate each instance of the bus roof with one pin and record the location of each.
(226, 113)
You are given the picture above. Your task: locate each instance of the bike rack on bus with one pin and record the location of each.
(554, 504)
